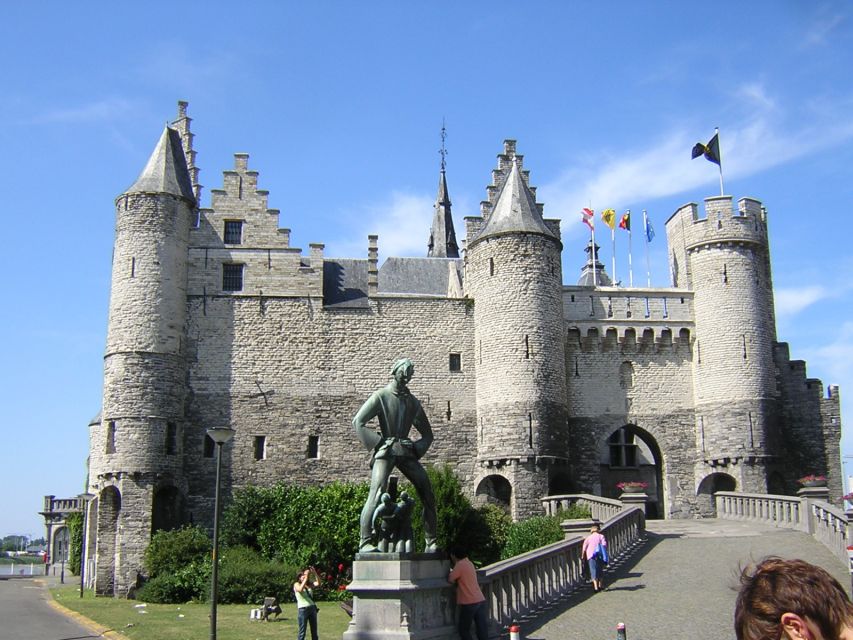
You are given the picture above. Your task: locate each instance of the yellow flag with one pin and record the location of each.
(609, 218)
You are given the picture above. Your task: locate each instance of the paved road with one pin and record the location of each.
(680, 584)
(26, 615)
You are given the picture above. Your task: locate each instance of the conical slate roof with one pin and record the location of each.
(515, 210)
(166, 171)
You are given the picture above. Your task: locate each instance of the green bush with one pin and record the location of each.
(574, 512)
(74, 522)
(185, 584)
(246, 577)
(169, 551)
(453, 509)
(532, 533)
(485, 534)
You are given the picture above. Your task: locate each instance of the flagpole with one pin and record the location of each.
(630, 256)
(592, 253)
(720, 165)
(646, 235)
(613, 247)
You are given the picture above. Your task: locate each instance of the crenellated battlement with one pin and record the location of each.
(499, 176)
(720, 224)
(628, 339)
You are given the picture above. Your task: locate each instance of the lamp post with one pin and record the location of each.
(219, 435)
(84, 506)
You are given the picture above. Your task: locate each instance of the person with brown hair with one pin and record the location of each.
(791, 600)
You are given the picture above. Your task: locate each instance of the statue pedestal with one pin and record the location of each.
(401, 596)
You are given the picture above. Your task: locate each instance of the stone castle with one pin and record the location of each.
(533, 387)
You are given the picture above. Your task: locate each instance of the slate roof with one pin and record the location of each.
(515, 211)
(166, 171)
(345, 283)
(420, 276)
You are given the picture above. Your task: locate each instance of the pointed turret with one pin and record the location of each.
(166, 170)
(593, 273)
(442, 238)
(516, 210)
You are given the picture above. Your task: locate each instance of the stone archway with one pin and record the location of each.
(109, 509)
(630, 453)
(560, 483)
(710, 484)
(59, 546)
(495, 489)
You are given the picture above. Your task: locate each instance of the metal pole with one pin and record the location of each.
(214, 575)
(85, 507)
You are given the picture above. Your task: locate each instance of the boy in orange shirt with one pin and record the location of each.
(469, 597)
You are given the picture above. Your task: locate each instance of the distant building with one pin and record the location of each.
(533, 387)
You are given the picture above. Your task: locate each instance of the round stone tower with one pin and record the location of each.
(725, 259)
(514, 275)
(136, 457)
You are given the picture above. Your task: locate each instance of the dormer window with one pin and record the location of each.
(233, 231)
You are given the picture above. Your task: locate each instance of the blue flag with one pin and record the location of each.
(650, 233)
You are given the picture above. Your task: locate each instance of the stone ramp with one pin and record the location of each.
(681, 584)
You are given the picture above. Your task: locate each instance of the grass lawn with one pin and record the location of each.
(191, 621)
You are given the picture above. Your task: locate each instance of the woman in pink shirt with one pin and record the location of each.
(596, 563)
(469, 597)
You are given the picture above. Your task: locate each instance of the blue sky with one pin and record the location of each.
(340, 104)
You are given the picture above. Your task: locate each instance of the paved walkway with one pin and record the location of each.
(680, 584)
(25, 614)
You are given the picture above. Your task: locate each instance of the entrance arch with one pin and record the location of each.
(708, 487)
(560, 484)
(495, 489)
(630, 453)
(59, 550)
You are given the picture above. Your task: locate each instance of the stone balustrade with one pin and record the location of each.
(828, 524)
(520, 586)
(602, 509)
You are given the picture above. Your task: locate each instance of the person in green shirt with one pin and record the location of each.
(305, 607)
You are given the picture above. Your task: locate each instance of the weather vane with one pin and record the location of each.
(443, 150)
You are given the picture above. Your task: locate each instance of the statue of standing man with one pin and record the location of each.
(398, 411)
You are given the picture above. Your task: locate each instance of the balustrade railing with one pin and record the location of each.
(828, 524)
(527, 583)
(601, 508)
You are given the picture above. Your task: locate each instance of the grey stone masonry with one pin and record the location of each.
(532, 387)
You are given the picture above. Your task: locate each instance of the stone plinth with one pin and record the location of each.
(815, 493)
(400, 596)
(634, 499)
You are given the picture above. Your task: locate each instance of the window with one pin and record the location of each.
(456, 362)
(626, 375)
(233, 231)
(232, 277)
(209, 446)
(171, 439)
(260, 448)
(111, 437)
(313, 446)
(623, 451)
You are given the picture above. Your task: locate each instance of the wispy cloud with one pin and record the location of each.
(402, 223)
(98, 111)
(790, 301)
(663, 167)
(820, 30)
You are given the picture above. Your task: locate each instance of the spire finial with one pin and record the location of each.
(443, 150)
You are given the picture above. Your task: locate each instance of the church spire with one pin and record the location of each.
(442, 238)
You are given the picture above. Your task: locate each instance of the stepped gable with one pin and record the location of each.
(420, 276)
(166, 170)
(516, 210)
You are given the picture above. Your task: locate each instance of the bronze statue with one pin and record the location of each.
(398, 411)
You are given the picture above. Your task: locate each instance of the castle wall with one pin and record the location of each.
(287, 369)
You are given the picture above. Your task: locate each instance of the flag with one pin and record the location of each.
(711, 151)
(609, 218)
(625, 222)
(650, 232)
(588, 217)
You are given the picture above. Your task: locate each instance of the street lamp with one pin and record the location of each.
(219, 435)
(84, 506)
